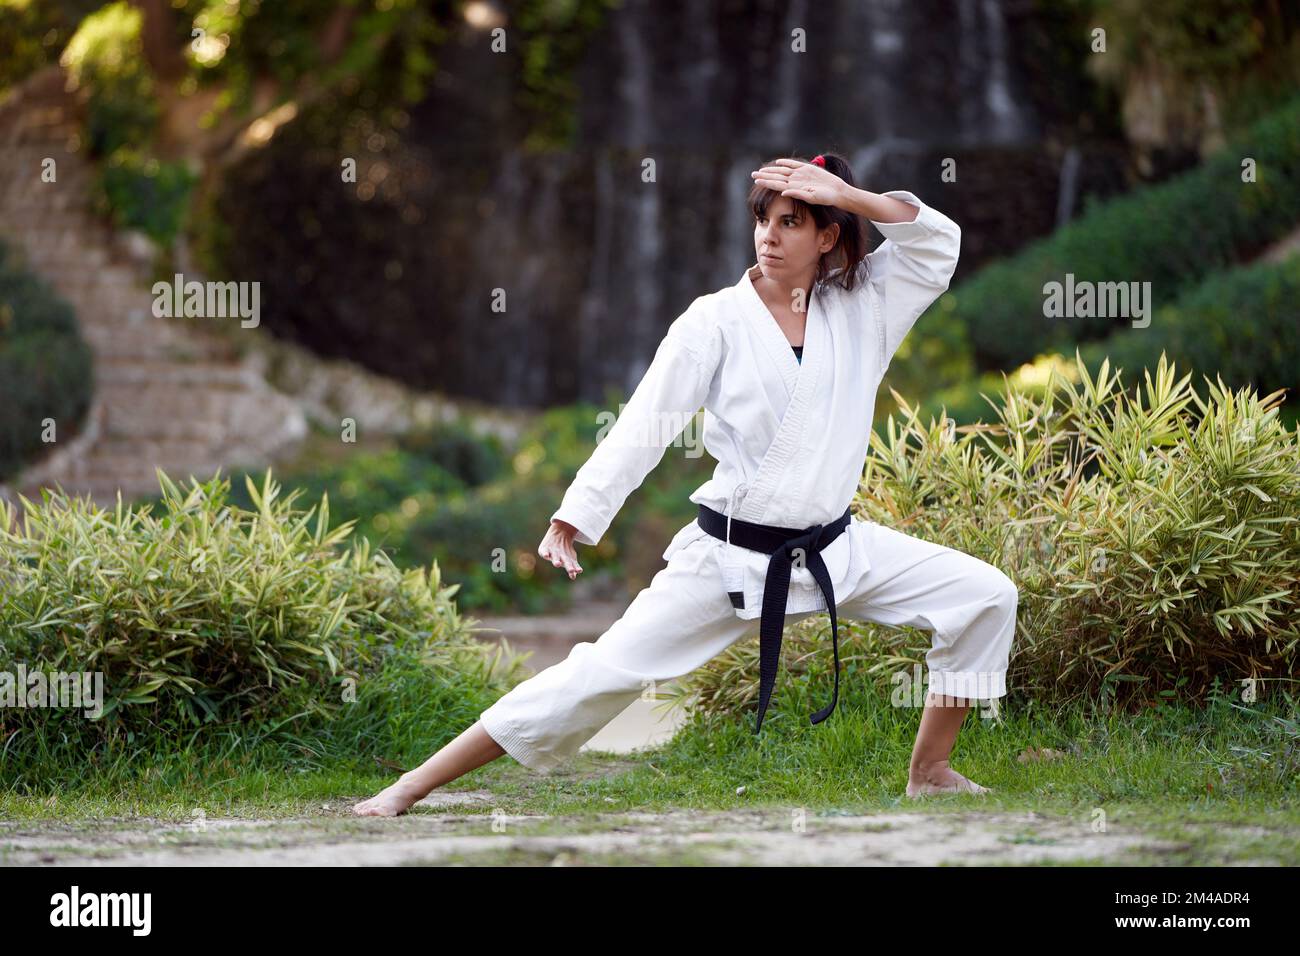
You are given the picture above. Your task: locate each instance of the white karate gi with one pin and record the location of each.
(790, 440)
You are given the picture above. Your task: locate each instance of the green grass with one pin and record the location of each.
(1163, 770)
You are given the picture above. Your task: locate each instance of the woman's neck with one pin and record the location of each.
(777, 295)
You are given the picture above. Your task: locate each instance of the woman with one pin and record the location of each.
(786, 363)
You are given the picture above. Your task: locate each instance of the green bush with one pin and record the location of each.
(487, 541)
(1154, 536)
(1171, 235)
(1243, 324)
(141, 192)
(456, 448)
(46, 368)
(206, 616)
(1239, 324)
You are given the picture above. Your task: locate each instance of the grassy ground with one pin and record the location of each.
(1181, 785)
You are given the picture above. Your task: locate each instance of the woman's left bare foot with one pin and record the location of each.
(939, 778)
(391, 801)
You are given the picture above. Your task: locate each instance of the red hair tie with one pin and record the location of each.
(819, 160)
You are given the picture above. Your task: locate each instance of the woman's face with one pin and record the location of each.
(788, 250)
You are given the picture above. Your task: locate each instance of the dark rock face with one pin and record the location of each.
(401, 270)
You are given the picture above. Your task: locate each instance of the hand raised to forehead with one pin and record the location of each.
(800, 180)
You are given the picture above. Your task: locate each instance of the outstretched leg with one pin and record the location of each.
(680, 622)
(471, 750)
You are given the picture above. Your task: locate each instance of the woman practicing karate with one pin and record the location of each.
(786, 364)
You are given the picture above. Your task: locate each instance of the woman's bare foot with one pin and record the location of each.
(939, 778)
(391, 801)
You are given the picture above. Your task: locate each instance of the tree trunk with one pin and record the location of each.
(158, 36)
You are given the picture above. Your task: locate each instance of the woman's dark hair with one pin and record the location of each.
(851, 247)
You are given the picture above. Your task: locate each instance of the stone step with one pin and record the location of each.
(28, 205)
(176, 351)
(112, 455)
(136, 340)
(135, 333)
(152, 371)
(53, 242)
(25, 176)
(56, 131)
(138, 467)
(24, 179)
(68, 271)
(215, 378)
(19, 155)
(118, 299)
(128, 313)
(106, 274)
(109, 300)
(188, 414)
(102, 322)
(42, 219)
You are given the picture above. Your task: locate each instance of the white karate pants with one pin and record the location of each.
(684, 618)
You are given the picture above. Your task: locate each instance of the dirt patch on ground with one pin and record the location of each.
(465, 827)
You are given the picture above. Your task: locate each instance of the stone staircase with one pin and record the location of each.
(167, 395)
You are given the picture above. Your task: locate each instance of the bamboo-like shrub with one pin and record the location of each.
(207, 613)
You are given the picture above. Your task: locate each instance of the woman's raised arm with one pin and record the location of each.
(912, 267)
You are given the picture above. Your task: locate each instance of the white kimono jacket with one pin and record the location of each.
(790, 439)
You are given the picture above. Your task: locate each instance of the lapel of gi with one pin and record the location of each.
(801, 383)
(770, 334)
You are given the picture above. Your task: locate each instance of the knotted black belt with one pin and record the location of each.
(782, 544)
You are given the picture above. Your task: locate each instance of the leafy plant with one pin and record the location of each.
(204, 615)
(144, 193)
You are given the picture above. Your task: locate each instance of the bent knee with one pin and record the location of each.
(1004, 591)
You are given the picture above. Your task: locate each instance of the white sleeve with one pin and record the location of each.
(911, 268)
(662, 405)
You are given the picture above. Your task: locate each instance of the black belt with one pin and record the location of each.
(781, 543)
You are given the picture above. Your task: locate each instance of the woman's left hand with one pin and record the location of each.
(800, 180)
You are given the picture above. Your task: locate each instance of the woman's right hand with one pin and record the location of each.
(557, 547)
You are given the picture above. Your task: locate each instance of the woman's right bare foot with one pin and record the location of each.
(939, 778)
(391, 801)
